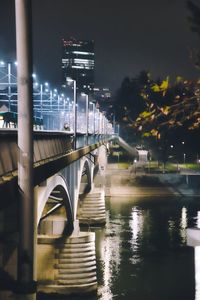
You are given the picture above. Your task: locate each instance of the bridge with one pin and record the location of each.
(65, 195)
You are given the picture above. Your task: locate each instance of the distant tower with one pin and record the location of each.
(78, 63)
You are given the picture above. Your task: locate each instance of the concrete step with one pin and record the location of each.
(91, 215)
(76, 275)
(95, 195)
(75, 265)
(74, 255)
(76, 249)
(77, 281)
(93, 200)
(93, 210)
(77, 270)
(89, 205)
(72, 260)
(69, 289)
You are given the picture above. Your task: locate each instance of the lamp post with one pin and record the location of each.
(41, 101)
(68, 79)
(93, 110)
(86, 114)
(26, 274)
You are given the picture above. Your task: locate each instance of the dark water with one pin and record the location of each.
(142, 252)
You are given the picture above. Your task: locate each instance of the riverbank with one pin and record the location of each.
(125, 182)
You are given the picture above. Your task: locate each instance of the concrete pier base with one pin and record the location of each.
(92, 209)
(193, 237)
(67, 265)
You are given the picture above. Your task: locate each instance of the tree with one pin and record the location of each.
(194, 20)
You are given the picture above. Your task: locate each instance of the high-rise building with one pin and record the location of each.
(78, 63)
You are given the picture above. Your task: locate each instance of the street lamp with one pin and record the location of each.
(86, 113)
(68, 79)
(93, 111)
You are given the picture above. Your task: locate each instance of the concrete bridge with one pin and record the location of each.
(65, 196)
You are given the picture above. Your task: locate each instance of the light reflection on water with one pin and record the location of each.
(142, 252)
(110, 256)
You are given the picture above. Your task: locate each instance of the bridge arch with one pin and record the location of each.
(55, 184)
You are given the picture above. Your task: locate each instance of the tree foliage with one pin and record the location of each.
(153, 107)
(194, 20)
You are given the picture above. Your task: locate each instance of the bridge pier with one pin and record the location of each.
(67, 265)
(92, 209)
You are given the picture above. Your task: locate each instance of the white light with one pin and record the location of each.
(34, 75)
(55, 90)
(2, 63)
(16, 63)
(69, 79)
(46, 84)
(83, 53)
(77, 67)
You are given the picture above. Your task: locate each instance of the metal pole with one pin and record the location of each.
(98, 122)
(114, 122)
(94, 118)
(75, 114)
(86, 115)
(9, 87)
(27, 232)
(51, 101)
(41, 100)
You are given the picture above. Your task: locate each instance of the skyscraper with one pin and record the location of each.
(78, 63)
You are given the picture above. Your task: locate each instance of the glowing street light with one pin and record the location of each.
(86, 113)
(68, 79)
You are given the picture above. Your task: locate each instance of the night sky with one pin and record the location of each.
(130, 36)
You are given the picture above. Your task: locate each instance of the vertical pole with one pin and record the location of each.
(51, 100)
(86, 115)
(94, 118)
(9, 87)
(69, 117)
(75, 114)
(41, 100)
(27, 232)
(99, 121)
(114, 122)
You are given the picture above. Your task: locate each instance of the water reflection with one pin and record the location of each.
(110, 255)
(183, 224)
(142, 253)
(136, 224)
(197, 272)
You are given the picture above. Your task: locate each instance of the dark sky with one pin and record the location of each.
(130, 36)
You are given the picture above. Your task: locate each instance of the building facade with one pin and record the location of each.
(78, 63)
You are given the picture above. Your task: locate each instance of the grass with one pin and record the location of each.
(194, 166)
(173, 167)
(123, 165)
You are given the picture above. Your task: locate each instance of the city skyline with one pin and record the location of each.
(129, 37)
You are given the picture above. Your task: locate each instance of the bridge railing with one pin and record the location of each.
(48, 145)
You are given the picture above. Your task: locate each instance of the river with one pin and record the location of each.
(142, 252)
